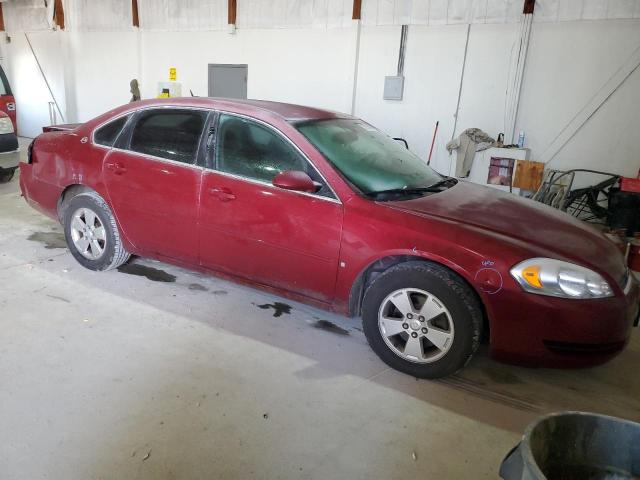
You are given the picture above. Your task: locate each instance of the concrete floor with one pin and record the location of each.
(114, 375)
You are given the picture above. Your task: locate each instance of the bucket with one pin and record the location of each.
(575, 446)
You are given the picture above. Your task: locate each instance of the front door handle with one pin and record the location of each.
(222, 193)
(116, 167)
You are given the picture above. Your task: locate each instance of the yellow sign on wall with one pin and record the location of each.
(173, 74)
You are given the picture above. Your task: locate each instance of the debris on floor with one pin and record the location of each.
(50, 240)
(278, 307)
(329, 327)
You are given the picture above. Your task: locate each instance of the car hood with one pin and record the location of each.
(522, 219)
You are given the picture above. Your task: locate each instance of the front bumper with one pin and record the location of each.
(9, 156)
(8, 142)
(541, 331)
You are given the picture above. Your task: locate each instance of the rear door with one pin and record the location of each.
(250, 228)
(153, 180)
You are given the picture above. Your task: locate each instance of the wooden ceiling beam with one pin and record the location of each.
(357, 10)
(529, 6)
(58, 14)
(134, 13)
(232, 12)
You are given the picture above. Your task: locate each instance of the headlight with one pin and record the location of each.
(546, 276)
(5, 125)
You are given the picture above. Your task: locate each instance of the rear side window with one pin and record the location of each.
(107, 134)
(171, 134)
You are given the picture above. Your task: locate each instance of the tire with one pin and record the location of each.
(450, 315)
(109, 252)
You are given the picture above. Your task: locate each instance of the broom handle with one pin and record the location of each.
(433, 141)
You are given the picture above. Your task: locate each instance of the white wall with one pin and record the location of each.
(432, 70)
(567, 63)
(99, 68)
(308, 66)
(27, 82)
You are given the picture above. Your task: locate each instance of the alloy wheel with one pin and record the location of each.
(416, 325)
(88, 233)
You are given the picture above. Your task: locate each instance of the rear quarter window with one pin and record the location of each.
(107, 134)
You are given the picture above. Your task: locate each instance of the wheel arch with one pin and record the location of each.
(68, 193)
(375, 268)
(75, 189)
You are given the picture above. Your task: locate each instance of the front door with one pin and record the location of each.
(250, 228)
(153, 181)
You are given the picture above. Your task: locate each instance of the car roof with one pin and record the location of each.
(287, 111)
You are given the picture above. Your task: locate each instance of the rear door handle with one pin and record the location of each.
(116, 167)
(223, 194)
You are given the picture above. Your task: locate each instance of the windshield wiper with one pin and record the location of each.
(436, 187)
(445, 182)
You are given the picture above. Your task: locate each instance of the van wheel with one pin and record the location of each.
(92, 234)
(422, 319)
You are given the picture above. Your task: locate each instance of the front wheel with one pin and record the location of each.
(422, 319)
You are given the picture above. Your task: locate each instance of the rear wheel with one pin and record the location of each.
(91, 232)
(422, 319)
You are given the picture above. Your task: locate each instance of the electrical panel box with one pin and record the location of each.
(393, 87)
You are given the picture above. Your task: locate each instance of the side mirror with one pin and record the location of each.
(295, 180)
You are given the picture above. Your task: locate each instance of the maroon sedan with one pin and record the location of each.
(323, 208)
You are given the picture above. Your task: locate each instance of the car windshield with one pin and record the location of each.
(368, 158)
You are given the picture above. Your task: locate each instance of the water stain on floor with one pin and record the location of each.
(197, 287)
(329, 327)
(62, 299)
(502, 376)
(50, 240)
(278, 307)
(154, 274)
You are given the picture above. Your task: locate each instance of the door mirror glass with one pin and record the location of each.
(295, 180)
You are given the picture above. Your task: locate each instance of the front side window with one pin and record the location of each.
(169, 133)
(107, 134)
(369, 159)
(251, 150)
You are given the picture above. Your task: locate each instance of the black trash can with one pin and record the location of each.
(575, 446)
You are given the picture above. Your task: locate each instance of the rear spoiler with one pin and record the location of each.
(65, 127)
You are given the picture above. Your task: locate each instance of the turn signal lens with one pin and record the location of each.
(546, 276)
(531, 275)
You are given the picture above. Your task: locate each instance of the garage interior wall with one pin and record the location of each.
(311, 52)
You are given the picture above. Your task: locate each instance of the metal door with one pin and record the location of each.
(228, 81)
